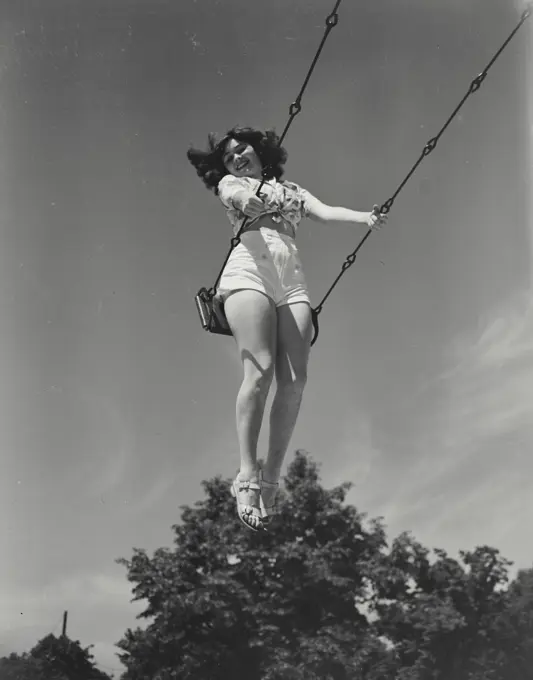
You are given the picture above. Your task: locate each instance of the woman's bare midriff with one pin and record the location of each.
(266, 221)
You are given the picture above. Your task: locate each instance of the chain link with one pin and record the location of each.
(428, 148)
(295, 109)
(477, 82)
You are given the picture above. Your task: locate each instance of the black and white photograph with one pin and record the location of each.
(266, 351)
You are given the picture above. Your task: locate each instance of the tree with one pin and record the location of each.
(515, 628)
(441, 615)
(52, 658)
(20, 667)
(322, 595)
(283, 605)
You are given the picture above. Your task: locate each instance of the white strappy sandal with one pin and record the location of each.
(244, 509)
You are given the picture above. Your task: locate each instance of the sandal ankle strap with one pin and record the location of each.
(264, 482)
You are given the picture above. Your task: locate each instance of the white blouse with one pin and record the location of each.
(283, 200)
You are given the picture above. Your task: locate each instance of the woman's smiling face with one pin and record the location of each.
(241, 160)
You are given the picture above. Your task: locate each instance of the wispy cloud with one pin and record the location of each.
(490, 389)
(107, 467)
(152, 496)
(360, 456)
(469, 473)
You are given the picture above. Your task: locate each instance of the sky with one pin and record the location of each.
(115, 404)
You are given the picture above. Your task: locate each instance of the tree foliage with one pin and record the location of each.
(278, 605)
(52, 658)
(322, 595)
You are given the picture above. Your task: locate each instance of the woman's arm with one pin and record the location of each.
(235, 192)
(248, 203)
(327, 214)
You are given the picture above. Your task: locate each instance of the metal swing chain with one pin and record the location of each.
(429, 147)
(331, 21)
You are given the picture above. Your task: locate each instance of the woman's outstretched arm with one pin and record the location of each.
(328, 214)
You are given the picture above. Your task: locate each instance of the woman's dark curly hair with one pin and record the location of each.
(210, 164)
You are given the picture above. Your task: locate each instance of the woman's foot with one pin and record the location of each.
(269, 492)
(247, 492)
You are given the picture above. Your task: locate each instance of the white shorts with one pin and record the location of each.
(267, 261)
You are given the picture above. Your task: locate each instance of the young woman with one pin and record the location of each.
(265, 297)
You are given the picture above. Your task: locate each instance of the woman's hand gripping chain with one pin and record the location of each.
(376, 219)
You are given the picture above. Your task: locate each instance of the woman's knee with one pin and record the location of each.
(292, 381)
(291, 372)
(258, 373)
(294, 331)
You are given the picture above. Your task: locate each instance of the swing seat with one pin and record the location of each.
(213, 319)
(211, 311)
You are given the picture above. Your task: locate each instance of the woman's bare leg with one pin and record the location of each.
(252, 319)
(294, 332)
